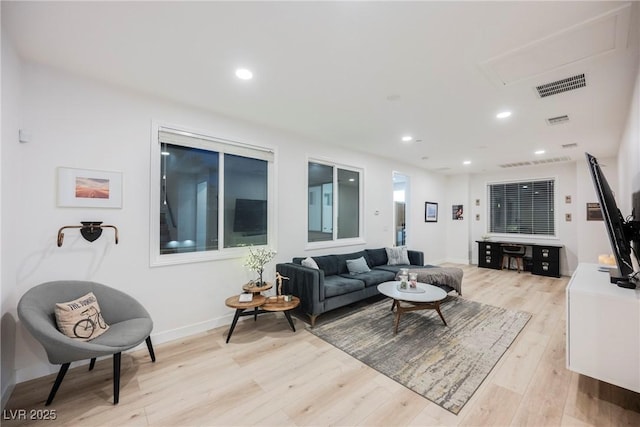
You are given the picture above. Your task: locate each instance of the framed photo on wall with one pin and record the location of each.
(593, 212)
(430, 212)
(457, 213)
(84, 188)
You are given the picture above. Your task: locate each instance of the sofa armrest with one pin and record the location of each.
(416, 257)
(305, 283)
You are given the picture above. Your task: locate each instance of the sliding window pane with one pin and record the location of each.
(320, 203)
(245, 201)
(188, 199)
(348, 204)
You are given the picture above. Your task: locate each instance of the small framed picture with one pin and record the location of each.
(430, 212)
(593, 212)
(84, 188)
(457, 212)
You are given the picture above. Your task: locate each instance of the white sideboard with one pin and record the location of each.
(603, 328)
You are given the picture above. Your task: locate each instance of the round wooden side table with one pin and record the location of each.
(234, 302)
(251, 287)
(278, 304)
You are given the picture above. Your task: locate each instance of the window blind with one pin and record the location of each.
(525, 207)
(219, 145)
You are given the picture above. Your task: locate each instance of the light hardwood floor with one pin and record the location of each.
(268, 375)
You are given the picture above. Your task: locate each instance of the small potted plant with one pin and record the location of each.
(257, 259)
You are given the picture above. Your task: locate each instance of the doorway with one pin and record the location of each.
(400, 204)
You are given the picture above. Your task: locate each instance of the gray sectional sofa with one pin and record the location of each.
(332, 285)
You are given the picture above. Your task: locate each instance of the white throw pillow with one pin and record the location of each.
(357, 266)
(397, 256)
(310, 262)
(81, 318)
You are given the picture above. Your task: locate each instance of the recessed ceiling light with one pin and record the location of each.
(352, 179)
(165, 153)
(407, 138)
(540, 152)
(503, 114)
(244, 74)
(466, 162)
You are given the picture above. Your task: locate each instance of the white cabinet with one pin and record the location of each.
(603, 328)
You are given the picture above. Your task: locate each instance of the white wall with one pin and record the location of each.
(10, 158)
(565, 184)
(457, 240)
(629, 152)
(82, 124)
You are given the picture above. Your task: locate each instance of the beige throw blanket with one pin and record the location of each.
(450, 276)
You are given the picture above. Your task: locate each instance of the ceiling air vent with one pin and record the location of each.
(571, 145)
(559, 86)
(552, 160)
(557, 120)
(515, 165)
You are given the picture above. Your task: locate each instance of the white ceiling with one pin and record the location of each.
(363, 74)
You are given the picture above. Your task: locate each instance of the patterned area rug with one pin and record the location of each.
(445, 364)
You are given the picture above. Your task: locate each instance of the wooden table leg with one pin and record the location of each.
(233, 324)
(437, 307)
(288, 316)
(398, 313)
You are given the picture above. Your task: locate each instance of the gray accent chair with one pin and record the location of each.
(129, 325)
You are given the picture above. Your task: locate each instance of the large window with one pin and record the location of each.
(213, 196)
(334, 204)
(525, 207)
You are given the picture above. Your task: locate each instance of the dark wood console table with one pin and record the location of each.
(545, 258)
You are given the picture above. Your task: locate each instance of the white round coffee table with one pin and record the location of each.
(423, 296)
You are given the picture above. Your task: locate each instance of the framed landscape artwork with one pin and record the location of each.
(84, 188)
(430, 212)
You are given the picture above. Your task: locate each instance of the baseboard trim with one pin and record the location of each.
(30, 373)
(6, 393)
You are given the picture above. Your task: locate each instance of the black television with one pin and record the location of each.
(250, 217)
(622, 232)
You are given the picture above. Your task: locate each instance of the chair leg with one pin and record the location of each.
(116, 378)
(150, 347)
(92, 364)
(63, 370)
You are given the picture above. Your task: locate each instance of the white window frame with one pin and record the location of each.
(335, 242)
(155, 258)
(512, 236)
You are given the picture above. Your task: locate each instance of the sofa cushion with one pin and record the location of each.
(373, 277)
(398, 255)
(309, 262)
(342, 260)
(339, 285)
(377, 257)
(328, 264)
(358, 265)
